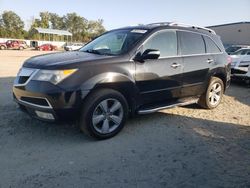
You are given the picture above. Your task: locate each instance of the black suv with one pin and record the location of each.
(125, 71)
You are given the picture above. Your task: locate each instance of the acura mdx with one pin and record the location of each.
(132, 70)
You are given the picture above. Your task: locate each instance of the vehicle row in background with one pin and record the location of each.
(73, 46)
(13, 44)
(21, 45)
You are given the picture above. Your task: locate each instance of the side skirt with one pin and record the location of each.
(154, 108)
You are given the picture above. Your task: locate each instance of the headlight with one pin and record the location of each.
(53, 76)
(233, 63)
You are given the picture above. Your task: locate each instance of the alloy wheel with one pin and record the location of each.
(215, 94)
(107, 116)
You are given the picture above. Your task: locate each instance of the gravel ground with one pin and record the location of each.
(180, 147)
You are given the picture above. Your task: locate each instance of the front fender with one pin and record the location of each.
(117, 81)
(107, 78)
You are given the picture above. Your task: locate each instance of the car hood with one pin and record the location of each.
(63, 59)
(235, 57)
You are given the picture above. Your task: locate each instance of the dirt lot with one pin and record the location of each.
(180, 147)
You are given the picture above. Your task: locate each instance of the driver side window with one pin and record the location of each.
(164, 41)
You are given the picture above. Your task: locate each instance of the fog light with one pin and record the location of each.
(45, 115)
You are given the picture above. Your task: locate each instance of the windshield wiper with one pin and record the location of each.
(98, 52)
(93, 52)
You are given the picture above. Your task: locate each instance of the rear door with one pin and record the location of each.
(196, 63)
(160, 79)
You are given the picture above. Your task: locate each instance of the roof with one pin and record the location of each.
(53, 31)
(228, 24)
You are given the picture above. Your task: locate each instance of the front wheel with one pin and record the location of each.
(2, 47)
(213, 96)
(104, 114)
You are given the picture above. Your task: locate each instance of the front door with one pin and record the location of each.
(160, 79)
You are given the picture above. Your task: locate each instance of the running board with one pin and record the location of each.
(152, 110)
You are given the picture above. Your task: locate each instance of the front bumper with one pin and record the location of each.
(49, 102)
(240, 72)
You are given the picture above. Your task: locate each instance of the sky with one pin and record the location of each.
(117, 13)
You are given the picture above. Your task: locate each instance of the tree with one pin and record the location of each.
(95, 28)
(45, 18)
(43, 22)
(76, 25)
(11, 25)
(56, 21)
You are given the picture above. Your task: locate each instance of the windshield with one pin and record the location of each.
(242, 52)
(114, 43)
(232, 49)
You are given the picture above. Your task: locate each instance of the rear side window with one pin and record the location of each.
(191, 43)
(164, 41)
(211, 46)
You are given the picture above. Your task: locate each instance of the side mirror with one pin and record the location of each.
(147, 54)
(151, 54)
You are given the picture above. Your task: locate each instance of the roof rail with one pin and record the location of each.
(192, 26)
(159, 24)
(181, 25)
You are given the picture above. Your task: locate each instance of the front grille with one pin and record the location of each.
(236, 71)
(36, 101)
(23, 79)
(244, 64)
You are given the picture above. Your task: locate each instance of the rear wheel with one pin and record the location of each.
(213, 96)
(104, 114)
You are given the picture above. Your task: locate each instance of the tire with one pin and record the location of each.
(2, 47)
(103, 114)
(247, 81)
(213, 95)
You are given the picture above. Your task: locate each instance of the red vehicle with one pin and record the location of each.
(46, 47)
(13, 44)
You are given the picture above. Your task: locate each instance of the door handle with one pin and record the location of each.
(210, 61)
(175, 65)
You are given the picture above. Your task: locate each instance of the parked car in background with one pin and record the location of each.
(240, 64)
(242, 74)
(14, 45)
(240, 59)
(74, 46)
(132, 70)
(46, 47)
(233, 48)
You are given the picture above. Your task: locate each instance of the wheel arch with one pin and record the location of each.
(116, 81)
(220, 73)
(4, 46)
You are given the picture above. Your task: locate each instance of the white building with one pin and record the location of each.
(233, 33)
